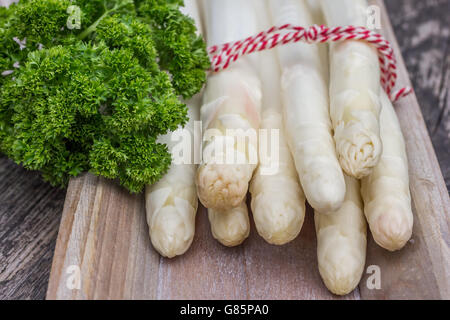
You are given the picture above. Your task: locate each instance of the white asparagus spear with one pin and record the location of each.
(387, 200)
(232, 101)
(171, 203)
(306, 111)
(278, 202)
(354, 91)
(230, 227)
(316, 11)
(341, 242)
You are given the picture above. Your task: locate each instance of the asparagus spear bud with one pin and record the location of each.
(171, 203)
(278, 202)
(341, 242)
(232, 101)
(354, 91)
(387, 200)
(230, 227)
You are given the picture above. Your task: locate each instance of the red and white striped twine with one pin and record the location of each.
(223, 55)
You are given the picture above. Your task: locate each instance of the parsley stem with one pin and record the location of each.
(93, 26)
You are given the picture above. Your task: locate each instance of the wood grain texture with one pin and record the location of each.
(105, 235)
(30, 211)
(424, 38)
(103, 231)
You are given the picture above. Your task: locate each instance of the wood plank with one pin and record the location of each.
(254, 270)
(30, 212)
(103, 231)
(425, 41)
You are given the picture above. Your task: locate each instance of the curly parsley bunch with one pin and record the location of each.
(96, 98)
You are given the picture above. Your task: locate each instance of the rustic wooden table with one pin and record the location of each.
(30, 209)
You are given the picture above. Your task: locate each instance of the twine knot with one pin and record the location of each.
(312, 34)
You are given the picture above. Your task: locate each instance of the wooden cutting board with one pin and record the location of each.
(103, 242)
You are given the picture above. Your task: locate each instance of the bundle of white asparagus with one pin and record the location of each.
(332, 137)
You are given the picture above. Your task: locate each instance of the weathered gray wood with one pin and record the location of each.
(423, 32)
(30, 211)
